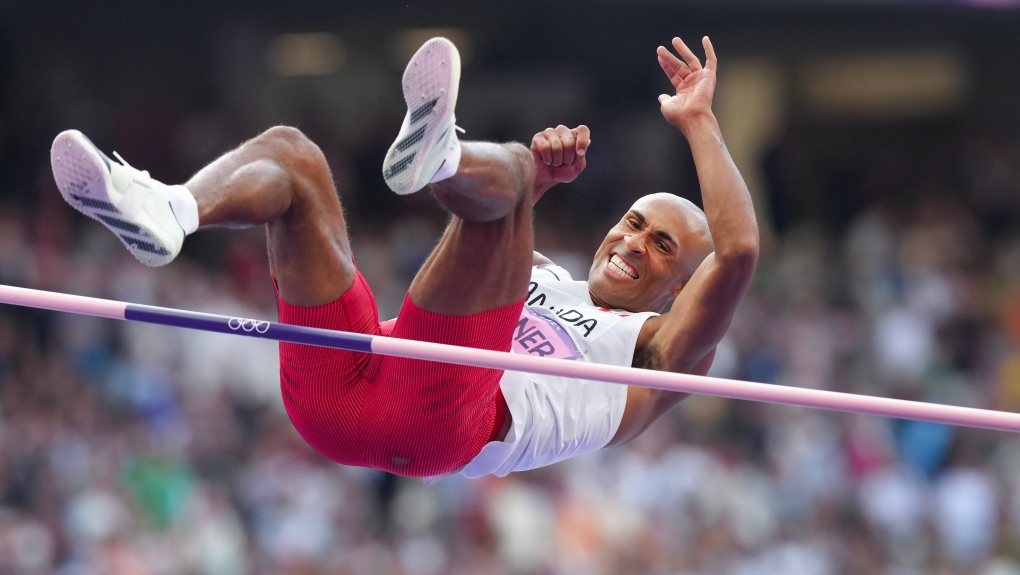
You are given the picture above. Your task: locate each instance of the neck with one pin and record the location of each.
(595, 299)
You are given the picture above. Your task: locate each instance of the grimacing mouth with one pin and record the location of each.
(623, 266)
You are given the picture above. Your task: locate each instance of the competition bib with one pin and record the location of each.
(538, 334)
(558, 324)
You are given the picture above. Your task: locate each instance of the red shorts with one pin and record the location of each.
(409, 417)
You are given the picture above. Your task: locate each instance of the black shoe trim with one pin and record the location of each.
(120, 224)
(439, 169)
(424, 110)
(409, 141)
(95, 204)
(399, 166)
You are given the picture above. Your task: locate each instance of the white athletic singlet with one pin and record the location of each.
(556, 418)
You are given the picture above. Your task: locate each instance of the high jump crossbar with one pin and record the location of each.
(668, 381)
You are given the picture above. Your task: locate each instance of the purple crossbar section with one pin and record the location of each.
(189, 319)
(249, 327)
(730, 388)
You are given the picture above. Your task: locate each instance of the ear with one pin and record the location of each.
(676, 291)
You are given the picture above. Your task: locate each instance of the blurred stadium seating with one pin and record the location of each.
(881, 142)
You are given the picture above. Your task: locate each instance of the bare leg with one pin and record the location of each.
(483, 260)
(280, 178)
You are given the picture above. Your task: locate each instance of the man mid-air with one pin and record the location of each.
(483, 286)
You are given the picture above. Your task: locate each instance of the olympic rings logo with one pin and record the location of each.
(248, 325)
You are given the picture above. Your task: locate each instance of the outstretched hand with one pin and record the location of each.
(559, 155)
(694, 83)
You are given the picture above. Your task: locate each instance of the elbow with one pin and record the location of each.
(740, 252)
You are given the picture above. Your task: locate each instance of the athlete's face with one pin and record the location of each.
(649, 256)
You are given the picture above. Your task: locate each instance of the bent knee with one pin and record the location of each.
(299, 158)
(292, 149)
(286, 138)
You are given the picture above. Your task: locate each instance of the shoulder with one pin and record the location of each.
(538, 259)
(550, 273)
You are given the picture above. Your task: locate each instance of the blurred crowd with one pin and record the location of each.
(136, 449)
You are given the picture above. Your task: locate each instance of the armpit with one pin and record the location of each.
(647, 357)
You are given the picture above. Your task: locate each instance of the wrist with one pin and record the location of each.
(702, 123)
(540, 188)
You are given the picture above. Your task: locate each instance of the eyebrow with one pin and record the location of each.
(659, 233)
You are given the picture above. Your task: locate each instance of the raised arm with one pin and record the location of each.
(685, 338)
(703, 310)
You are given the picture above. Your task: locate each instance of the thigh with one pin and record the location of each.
(324, 388)
(309, 251)
(478, 266)
(429, 418)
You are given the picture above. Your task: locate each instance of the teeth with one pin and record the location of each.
(620, 269)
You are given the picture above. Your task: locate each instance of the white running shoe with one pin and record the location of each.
(426, 149)
(132, 205)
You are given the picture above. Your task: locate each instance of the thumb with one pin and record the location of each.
(663, 98)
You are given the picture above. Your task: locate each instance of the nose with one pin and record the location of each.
(634, 243)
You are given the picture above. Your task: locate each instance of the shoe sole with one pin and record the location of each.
(430, 82)
(84, 182)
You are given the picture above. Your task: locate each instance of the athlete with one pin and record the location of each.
(483, 286)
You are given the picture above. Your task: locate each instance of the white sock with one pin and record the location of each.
(185, 208)
(449, 167)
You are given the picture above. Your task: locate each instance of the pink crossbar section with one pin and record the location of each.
(730, 388)
(62, 302)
